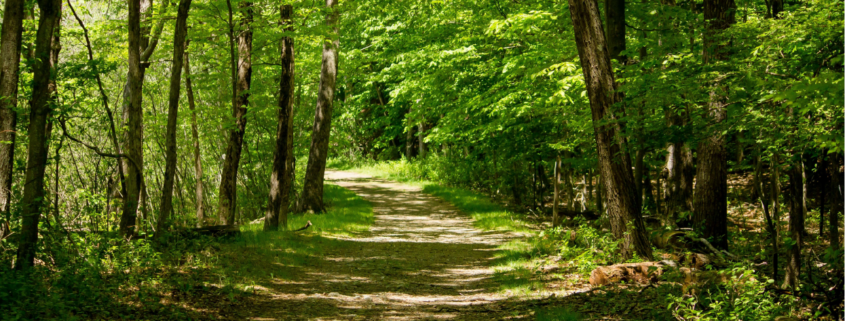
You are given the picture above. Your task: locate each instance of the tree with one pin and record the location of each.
(47, 46)
(195, 136)
(141, 47)
(312, 191)
(172, 114)
(10, 54)
(836, 189)
(614, 161)
(710, 200)
(615, 15)
(227, 206)
(282, 172)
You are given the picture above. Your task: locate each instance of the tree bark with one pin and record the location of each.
(10, 54)
(312, 192)
(228, 203)
(172, 116)
(710, 201)
(836, 207)
(555, 210)
(614, 161)
(141, 47)
(680, 171)
(614, 11)
(796, 226)
(420, 137)
(47, 46)
(195, 136)
(282, 175)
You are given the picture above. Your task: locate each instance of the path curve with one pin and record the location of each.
(421, 260)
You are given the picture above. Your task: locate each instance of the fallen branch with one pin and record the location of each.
(304, 227)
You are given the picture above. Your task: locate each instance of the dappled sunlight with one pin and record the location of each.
(420, 259)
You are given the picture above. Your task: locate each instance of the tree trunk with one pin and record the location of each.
(195, 137)
(710, 200)
(420, 136)
(409, 142)
(614, 162)
(835, 188)
(614, 11)
(555, 215)
(47, 46)
(680, 171)
(280, 178)
(796, 226)
(140, 49)
(822, 172)
(312, 191)
(10, 53)
(228, 203)
(172, 115)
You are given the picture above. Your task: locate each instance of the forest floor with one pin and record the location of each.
(421, 259)
(425, 259)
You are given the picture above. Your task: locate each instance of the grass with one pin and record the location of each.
(186, 278)
(515, 262)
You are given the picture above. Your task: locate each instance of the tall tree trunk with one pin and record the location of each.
(228, 203)
(555, 211)
(47, 45)
(614, 162)
(282, 175)
(141, 47)
(822, 172)
(10, 54)
(409, 142)
(710, 201)
(420, 137)
(614, 11)
(796, 226)
(312, 191)
(680, 171)
(195, 136)
(172, 116)
(836, 207)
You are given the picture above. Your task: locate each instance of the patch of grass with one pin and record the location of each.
(198, 277)
(487, 215)
(257, 255)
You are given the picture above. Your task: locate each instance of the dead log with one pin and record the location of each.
(642, 273)
(213, 231)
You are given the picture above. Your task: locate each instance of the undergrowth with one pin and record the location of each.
(193, 277)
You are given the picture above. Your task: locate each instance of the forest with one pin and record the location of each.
(422, 160)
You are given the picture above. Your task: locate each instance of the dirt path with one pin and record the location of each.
(421, 260)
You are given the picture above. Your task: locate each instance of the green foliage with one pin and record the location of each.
(104, 277)
(741, 297)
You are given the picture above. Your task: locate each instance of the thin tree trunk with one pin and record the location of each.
(282, 174)
(228, 203)
(796, 226)
(141, 47)
(614, 162)
(105, 98)
(312, 191)
(710, 200)
(822, 172)
(420, 137)
(835, 189)
(195, 136)
(680, 171)
(172, 116)
(47, 45)
(10, 53)
(555, 214)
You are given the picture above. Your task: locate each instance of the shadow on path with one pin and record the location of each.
(420, 260)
